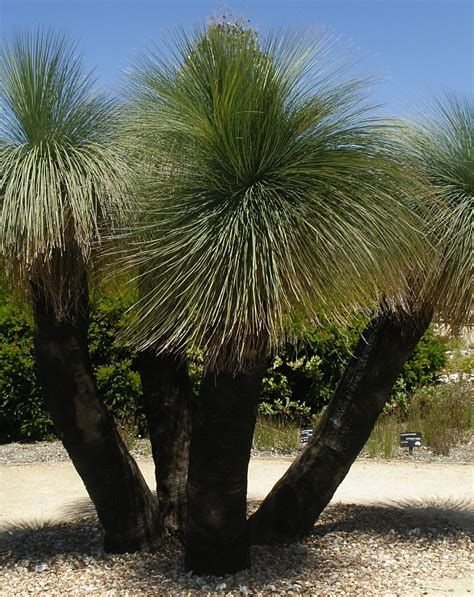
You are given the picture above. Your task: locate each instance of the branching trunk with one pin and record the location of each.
(216, 539)
(296, 501)
(125, 505)
(167, 401)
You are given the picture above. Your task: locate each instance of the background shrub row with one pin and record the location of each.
(297, 386)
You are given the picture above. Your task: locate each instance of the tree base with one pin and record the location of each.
(216, 537)
(118, 544)
(227, 559)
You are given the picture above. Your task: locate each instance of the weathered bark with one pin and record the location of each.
(298, 498)
(126, 507)
(167, 401)
(216, 538)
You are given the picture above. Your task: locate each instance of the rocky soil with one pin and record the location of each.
(369, 549)
(354, 550)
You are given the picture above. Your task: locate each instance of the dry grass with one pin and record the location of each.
(443, 414)
(277, 434)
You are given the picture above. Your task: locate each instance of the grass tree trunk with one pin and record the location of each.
(125, 505)
(167, 401)
(296, 501)
(216, 538)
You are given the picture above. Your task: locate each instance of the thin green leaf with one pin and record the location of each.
(61, 180)
(268, 186)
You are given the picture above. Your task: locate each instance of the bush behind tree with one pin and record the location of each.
(23, 416)
(296, 387)
(302, 378)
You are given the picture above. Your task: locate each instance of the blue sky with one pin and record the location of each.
(415, 47)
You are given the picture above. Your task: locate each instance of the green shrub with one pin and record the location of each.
(296, 387)
(117, 382)
(195, 367)
(307, 373)
(23, 415)
(427, 361)
(22, 412)
(461, 363)
(384, 439)
(276, 399)
(422, 369)
(302, 378)
(443, 414)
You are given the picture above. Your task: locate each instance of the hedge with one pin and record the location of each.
(297, 385)
(22, 412)
(302, 378)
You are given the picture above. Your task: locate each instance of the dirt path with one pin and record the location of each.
(53, 491)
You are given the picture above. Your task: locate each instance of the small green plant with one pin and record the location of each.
(442, 413)
(307, 374)
(276, 433)
(287, 409)
(383, 440)
(462, 363)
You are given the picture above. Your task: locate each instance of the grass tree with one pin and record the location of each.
(61, 185)
(443, 147)
(270, 187)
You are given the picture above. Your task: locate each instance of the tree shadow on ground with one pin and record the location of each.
(49, 546)
(80, 531)
(430, 517)
(44, 539)
(76, 544)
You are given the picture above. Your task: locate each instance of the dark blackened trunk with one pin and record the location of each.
(294, 504)
(125, 505)
(167, 400)
(216, 538)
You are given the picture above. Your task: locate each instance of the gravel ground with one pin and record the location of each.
(354, 550)
(31, 453)
(35, 452)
